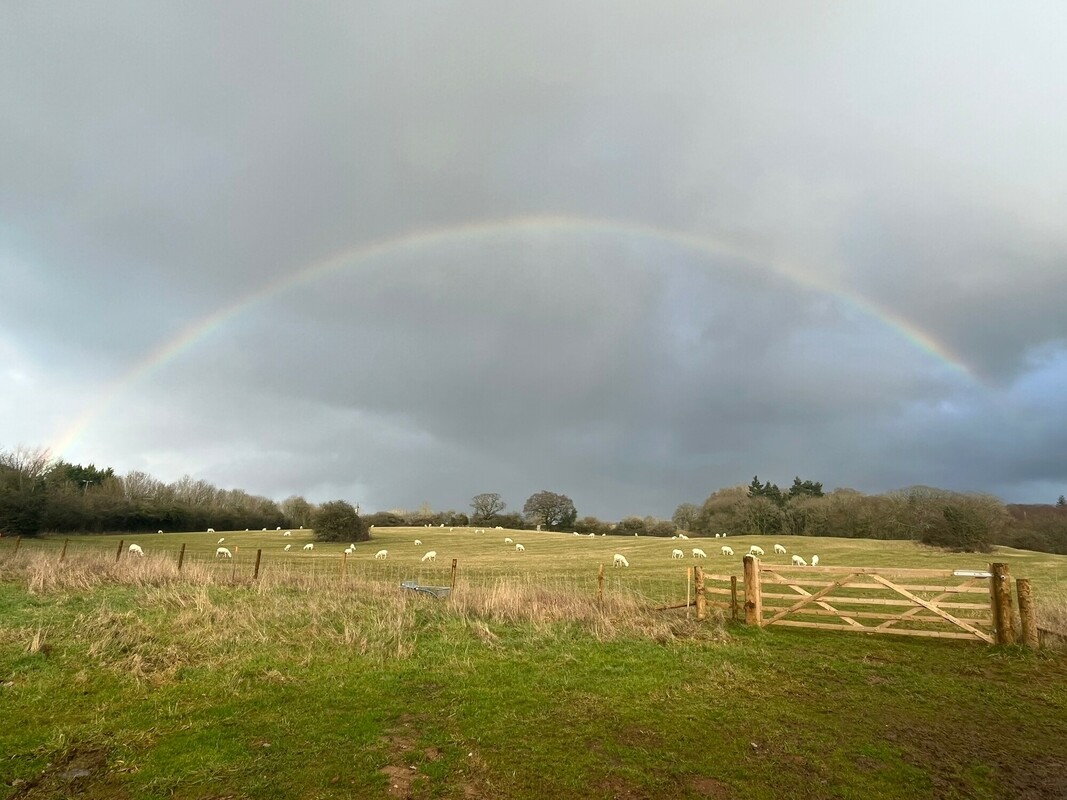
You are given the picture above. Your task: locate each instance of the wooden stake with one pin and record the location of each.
(600, 588)
(753, 600)
(1027, 614)
(255, 574)
(698, 589)
(118, 553)
(344, 565)
(1003, 615)
(688, 578)
(733, 597)
(63, 555)
(181, 557)
(454, 561)
(18, 542)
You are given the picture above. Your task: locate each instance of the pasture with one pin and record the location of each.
(129, 679)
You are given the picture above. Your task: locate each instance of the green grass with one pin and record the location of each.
(164, 685)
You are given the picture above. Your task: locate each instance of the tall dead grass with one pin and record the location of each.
(1052, 620)
(203, 616)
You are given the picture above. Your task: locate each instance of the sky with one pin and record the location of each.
(406, 253)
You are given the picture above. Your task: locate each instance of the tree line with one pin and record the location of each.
(39, 494)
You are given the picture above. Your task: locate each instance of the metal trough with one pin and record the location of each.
(440, 592)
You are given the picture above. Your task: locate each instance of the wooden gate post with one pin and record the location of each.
(255, 573)
(698, 583)
(118, 553)
(600, 588)
(1027, 615)
(181, 557)
(454, 574)
(1003, 615)
(63, 555)
(753, 598)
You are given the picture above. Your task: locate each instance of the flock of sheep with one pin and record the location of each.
(618, 560)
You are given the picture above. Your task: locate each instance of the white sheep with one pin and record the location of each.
(619, 561)
(222, 552)
(278, 528)
(418, 542)
(210, 530)
(682, 536)
(520, 549)
(221, 540)
(430, 556)
(698, 553)
(309, 546)
(287, 547)
(507, 540)
(500, 527)
(727, 551)
(159, 531)
(287, 533)
(799, 562)
(755, 550)
(135, 549)
(381, 555)
(592, 534)
(677, 553)
(716, 536)
(350, 550)
(779, 550)
(815, 561)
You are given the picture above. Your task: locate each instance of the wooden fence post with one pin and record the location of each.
(753, 598)
(698, 589)
(63, 555)
(453, 574)
(733, 597)
(600, 588)
(181, 557)
(1003, 615)
(344, 565)
(255, 574)
(18, 542)
(1027, 615)
(688, 593)
(118, 553)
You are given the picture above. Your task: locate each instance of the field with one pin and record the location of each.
(132, 680)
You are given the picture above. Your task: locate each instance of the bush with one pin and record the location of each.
(960, 528)
(338, 521)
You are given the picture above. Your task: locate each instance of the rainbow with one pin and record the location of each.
(431, 237)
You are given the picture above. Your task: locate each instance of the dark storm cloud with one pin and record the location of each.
(159, 163)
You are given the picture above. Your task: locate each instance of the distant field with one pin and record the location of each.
(555, 559)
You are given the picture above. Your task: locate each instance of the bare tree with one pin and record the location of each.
(487, 504)
(26, 464)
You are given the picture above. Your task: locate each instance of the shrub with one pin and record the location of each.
(338, 521)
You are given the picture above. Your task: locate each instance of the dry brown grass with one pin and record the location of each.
(200, 617)
(1052, 620)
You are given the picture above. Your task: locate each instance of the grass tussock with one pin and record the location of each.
(1052, 621)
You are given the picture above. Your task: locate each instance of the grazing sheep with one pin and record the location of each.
(716, 536)
(619, 561)
(221, 540)
(135, 549)
(592, 534)
(698, 553)
(677, 554)
(287, 533)
(210, 530)
(520, 549)
(287, 547)
(815, 561)
(507, 540)
(350, 550)
(222, 552)
(755, 550)
(727, 551)
(159, 531)
(278, 528)
(799, 562)
(430, 556)
(309, 546)
(674, 537)
(418, 542)
(779, 550)
(500, 527)
(682, 536)
(381, 555)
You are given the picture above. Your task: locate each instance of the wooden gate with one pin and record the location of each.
(874, 600)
